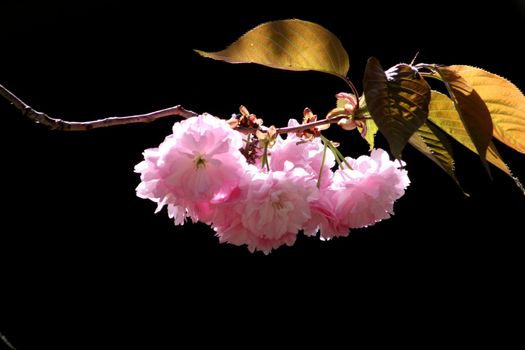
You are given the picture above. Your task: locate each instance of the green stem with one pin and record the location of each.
(322, 165)
(341, 156)
(264, 160)
(338, 156)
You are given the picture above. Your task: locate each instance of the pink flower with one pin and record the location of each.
(324, 219)
(293, 152)
(200, 162)
(200, 173)
(366, 194)
(267, 210)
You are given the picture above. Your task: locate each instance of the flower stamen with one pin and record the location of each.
(200, 161)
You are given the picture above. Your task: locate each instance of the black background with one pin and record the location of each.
(84, 262)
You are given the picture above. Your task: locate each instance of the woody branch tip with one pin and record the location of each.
(64, 125)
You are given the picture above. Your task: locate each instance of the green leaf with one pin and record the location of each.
(290, 44)
(371, 130)
(397, 100)
(433, 143)
(444, 114)
(371, 126)
(471, 109)
(505, 102)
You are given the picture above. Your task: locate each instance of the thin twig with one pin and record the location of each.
(63, 125)
(307, 126)
(6, 342)
(290, 129)
(354, 91)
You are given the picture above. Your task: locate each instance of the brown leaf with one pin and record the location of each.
(433, 143)
(397, 100)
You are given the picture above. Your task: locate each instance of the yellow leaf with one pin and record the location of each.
(290, 44)
(371, 131)
(505, 102)
(471, 109)
(443, 114)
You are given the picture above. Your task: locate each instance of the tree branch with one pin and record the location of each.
(63, 125)
(309, 125)
(6, 342)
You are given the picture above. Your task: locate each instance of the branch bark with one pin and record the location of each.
(6, 342)
(307, 126)
(63, 125)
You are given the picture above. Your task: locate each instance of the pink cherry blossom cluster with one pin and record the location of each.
(199, 172)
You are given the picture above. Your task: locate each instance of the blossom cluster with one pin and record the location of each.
(201, 172)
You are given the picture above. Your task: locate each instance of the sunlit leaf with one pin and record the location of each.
(370, 124)
(433, 143)
(505, 102)
(397, 100)
(371, 130)
(290, 44)
(471, 109)
(443, 113)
